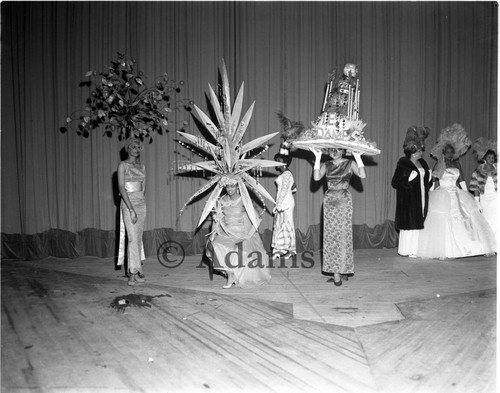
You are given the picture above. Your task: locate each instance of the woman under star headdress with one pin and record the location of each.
(226, 151)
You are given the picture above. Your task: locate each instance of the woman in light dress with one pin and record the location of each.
(235, 245)
(283, 242)
(132, 185)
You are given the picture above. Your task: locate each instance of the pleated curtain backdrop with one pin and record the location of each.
(421, 63)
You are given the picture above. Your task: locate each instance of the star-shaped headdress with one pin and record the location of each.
(225, 155)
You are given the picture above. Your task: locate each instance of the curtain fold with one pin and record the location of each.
(104, 244)
(425, 63)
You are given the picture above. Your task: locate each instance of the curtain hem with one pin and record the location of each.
(103, 244)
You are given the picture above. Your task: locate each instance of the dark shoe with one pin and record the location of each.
(344, 277)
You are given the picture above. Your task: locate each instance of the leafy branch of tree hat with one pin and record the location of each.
(121, 104)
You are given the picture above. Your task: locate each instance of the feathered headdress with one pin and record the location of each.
(226, 151)
(481, 146)
(291, 130)
(416, 136)
(455, 136)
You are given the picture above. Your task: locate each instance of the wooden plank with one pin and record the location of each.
(229, 343)
(383, 330)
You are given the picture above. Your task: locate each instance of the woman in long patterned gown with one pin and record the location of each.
(235, 245)
(337, 211)
(132, 185)
(283, 242)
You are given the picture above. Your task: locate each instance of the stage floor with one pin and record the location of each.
(399, 325)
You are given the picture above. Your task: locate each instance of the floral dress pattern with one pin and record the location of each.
(284, 228)
(337, 220)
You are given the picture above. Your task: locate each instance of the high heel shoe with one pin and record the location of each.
(231, 280)
(337, 283)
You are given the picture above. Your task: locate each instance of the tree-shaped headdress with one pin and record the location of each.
(225, 155)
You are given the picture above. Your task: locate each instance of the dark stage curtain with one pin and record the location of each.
(422, 63)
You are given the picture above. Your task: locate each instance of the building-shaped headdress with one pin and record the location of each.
(339, 125)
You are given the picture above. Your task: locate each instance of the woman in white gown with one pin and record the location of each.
(454, 227)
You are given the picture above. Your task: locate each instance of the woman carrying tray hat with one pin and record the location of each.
(337, 211)
(338, 130)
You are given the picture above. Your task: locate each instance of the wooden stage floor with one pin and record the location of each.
(399, 325)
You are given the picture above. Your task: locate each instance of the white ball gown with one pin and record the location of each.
(454, 227)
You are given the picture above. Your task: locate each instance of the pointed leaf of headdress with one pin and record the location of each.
(227, 155)
(216, 107)
(210, 203)
(250, 163)
(235, 115)
(238, 134)
(202, 143)
(256, 186)
(225, 93)
(202, 165)
(257, 142)
(247, 202)
(207, 186)
(207, 122)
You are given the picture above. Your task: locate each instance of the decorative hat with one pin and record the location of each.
(454, 135)
(351, 70)
(339, 126)
(291, 130)
(481, 146)
(227, 153)
(134, 141)
(415, 136)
